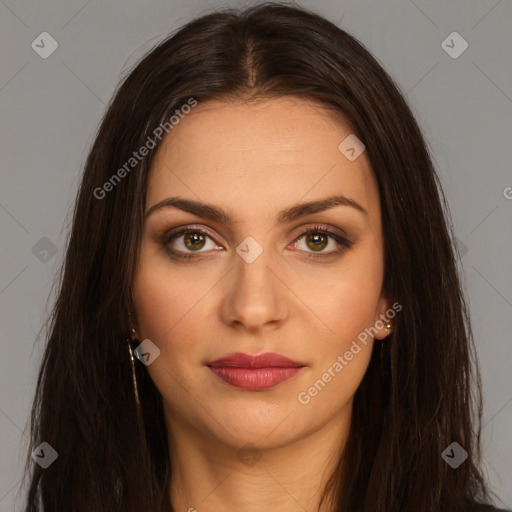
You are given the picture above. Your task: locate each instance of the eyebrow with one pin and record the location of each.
(214, 213)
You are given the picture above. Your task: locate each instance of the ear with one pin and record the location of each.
(382, 318)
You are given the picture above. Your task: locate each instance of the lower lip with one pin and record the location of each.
(255, 379)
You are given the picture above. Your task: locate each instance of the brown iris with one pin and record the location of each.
(192, 239)
(319, 241)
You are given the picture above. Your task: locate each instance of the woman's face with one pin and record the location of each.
(256, 283)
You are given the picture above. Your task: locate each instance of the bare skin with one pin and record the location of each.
(254, 160)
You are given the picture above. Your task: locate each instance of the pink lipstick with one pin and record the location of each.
(255, 373)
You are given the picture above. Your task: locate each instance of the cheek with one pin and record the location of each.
(346, 301)
(342, 354)
(166, 306)
(164, 300)
(155, 305)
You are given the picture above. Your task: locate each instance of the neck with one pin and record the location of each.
(213, 475)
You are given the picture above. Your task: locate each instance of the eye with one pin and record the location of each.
(191, 240)
(316, 239)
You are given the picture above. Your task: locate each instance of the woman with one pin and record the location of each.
(316, 354)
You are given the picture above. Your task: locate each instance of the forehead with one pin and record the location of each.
(253, 156)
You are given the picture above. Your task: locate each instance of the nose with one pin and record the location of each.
(255, 297)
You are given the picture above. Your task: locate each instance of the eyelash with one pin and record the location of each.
(167, 238)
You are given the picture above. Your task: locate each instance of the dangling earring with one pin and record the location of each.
(134, 377)
(132, 361)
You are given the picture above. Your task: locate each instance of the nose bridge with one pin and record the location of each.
(255, 292)
(253, 273)
(252, 263)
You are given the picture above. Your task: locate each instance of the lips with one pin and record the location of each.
(267, 360)
(255, 373)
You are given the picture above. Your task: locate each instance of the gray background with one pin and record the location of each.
(50, 109)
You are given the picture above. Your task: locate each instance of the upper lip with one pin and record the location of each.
(266, 360)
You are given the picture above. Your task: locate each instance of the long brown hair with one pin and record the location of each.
(422, 389)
